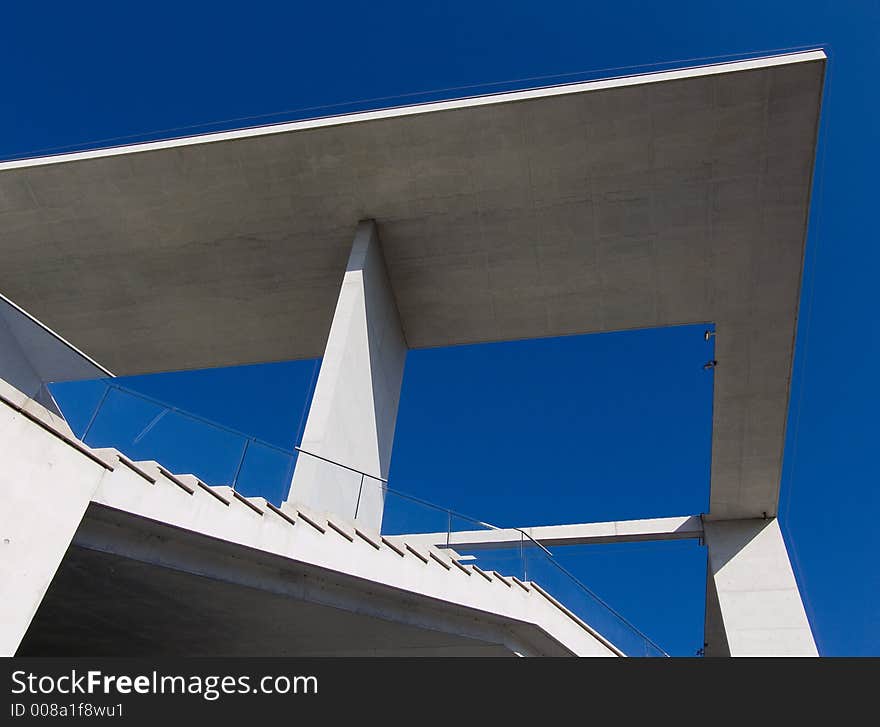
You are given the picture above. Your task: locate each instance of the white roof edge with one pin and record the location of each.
(426, 108)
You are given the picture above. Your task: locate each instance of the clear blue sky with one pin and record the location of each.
(624, 417)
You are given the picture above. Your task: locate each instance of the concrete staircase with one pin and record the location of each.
(436, 563)
(147, 490)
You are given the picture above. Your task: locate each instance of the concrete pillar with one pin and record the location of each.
(753, 606)
(354, 408)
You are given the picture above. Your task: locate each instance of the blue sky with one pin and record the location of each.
(634, 443)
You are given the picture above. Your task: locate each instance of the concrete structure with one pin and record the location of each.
(754, 607)
(668, 198)
(354, 407)
(663, 199)
(623, 531)
(133, 540)
(47, 484)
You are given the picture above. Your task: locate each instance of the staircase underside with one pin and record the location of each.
(213, 599)
(108, 556)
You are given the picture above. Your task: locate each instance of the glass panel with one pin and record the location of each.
(119, 419)
(404, 515)
(188, 446)
(79, 400)
(265, 471)
(543, 570)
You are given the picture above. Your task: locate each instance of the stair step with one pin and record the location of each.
(481, 572)
(233, 495)
(521, 584)
(194, 482)
(394, 546)
(374, 540)
(462, 568)
(417, 553)
(156, 470)
(246, 501)
(438, 556)
(260, 503)
(281, 513)
(301, 513)
(133, 466)
(503, 579)
(343, 530)
(110, 455)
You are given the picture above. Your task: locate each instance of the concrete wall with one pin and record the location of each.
(354, 409)
(46, 485)
(753, 594)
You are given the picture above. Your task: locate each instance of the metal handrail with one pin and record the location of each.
(339, 464)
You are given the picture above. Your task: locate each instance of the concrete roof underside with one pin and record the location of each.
(664, 199)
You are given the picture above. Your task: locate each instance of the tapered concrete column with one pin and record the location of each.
(354, 409)
(753, 606)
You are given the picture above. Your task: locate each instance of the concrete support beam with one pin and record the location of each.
(753, 606)
(620, 531)
(354, 408)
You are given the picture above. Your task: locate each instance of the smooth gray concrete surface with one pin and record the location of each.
(667, 199)
(714, 636)
(354, 408)
(753, 595)
(615, 531)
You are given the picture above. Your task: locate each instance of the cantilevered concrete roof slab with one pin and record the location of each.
(654, 200)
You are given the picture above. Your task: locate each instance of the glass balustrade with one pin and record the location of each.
(144, 428)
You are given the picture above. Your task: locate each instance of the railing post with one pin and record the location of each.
(288, 474)
(357, 505)
(241, 462)
(95, 413)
